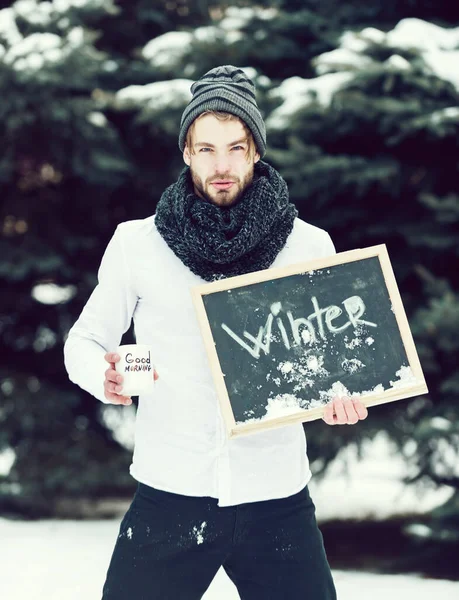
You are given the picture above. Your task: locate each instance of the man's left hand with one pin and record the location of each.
(345, 411)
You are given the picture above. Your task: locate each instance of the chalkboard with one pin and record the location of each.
(282, 342)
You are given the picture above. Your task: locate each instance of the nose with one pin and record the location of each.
(222, 164)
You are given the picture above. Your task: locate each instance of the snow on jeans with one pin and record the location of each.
(170, 547)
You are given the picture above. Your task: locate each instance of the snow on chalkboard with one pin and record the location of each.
(283, 342)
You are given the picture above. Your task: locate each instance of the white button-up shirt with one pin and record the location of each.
(180, 439)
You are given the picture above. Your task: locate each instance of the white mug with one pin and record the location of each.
(136, 368)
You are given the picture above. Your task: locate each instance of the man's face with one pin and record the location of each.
(219, 167)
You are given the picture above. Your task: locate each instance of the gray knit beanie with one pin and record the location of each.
(227, 89)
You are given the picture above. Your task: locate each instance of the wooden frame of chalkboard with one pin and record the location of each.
(309, 353)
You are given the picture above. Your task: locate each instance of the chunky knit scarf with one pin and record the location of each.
(217, 242)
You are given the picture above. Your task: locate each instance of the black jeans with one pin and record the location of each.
(170, 547)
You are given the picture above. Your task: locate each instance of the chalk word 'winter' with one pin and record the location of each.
(324, 317)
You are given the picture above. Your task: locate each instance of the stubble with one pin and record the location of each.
(222, 198)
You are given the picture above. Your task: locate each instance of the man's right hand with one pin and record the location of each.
(113, 382)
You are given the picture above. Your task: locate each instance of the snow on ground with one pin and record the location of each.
(373, 488)
(68, 560)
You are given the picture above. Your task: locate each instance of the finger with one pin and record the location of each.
(155, 375)
(115, 399)
(113, 388)
(112, 375)
(118, 399)
(329, 414)
(341, 417)
(351, 414)
(112, 357)
(360, 408)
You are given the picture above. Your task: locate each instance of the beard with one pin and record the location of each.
(222, 198)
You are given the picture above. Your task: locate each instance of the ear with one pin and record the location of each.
(186, 156)
(256, 157)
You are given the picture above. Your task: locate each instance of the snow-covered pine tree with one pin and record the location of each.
(370, 150)
(91, 115)
(71, 168)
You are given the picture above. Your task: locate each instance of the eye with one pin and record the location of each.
(237, 148)
(205, 149)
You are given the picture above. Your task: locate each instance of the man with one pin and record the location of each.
(204, 501)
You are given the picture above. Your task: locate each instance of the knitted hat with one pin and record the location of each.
(225, 89)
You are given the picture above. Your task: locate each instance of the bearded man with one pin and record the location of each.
(204, 501)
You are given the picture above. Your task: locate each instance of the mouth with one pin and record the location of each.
(222, 185)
